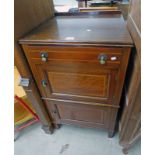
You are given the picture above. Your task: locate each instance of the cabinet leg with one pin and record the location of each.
(48, 129)
(125, 150)
(57, 126)
(111, 134)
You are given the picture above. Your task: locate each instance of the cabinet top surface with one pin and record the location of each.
(88, 29)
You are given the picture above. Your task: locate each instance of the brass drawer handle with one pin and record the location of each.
(44, 56)
(44, 83)
(102, 58)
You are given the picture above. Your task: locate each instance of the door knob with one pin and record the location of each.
(44, 83)
(54, 112)
(102, 58)
(44, 56)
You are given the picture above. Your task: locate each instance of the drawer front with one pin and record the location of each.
(112, 55)
(78, 73)
(93, 116)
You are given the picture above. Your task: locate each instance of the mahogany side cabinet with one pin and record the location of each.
(79, 63)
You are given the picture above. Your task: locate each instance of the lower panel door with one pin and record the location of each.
(78, 114)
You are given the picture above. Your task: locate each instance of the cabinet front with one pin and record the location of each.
(79, 74)
(78, 114)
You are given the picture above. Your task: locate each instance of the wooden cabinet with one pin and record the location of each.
(80, 77)
(28, 14)
(130, 124)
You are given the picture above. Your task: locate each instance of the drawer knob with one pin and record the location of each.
(44, 83)
(102, 58)
(44, 56)
(54, 112)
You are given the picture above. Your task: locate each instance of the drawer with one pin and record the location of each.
(82, 54)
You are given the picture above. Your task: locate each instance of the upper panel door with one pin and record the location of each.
(76, 74)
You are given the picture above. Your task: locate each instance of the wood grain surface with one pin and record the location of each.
(102, 28)
(28, 14)
(74, 83)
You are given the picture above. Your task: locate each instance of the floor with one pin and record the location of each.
(64, 5)
(69, 140)
(65, 2)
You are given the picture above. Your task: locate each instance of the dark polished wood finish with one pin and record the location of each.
(29, 14)
(130, 125)
(86, 28)
(80, 69)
